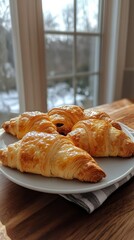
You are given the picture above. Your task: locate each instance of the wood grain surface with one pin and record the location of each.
(31, 215)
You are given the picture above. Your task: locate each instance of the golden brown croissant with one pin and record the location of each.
(99, 138)
(51, 155)
(29, 121)
(95, 114)
(65, 117)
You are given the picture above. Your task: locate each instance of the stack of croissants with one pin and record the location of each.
(63, 143)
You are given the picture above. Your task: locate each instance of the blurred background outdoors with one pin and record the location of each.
(72, 36)
(64, 61)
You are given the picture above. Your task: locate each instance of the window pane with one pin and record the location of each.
(60, 92)
(58, 15)
(88, 15)
(8, 94)
(58, 54)
(88, 48)
(87, 91)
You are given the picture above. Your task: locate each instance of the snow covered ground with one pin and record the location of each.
(9, 102)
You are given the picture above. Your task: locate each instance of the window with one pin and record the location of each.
(72, 31)
(8, 90)
(70, 59)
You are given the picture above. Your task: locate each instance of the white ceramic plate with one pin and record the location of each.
(115, 168)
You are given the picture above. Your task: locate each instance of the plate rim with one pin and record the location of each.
(74, 191)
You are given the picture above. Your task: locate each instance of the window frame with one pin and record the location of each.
(75, 74)
(115, 27)
(28, 39)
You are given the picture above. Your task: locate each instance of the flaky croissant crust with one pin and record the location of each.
(65, 117)
(95, 114)
(29, 121)
(61, 119)
(100, 138)
(51, 155)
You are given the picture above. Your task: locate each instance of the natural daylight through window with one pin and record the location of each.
(72, 32)
(8, 90)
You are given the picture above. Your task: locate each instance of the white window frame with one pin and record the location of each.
(28, 36)
(113, 50)
(28, 41)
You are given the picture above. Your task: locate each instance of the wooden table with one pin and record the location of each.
(31, 215)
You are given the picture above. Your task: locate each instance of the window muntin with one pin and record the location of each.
(87, 53)
(86, 90)
(80, 51)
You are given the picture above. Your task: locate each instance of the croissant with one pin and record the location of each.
(51, 155)
(64, 117)
(95, 114)
(100, 139)
(29, 121)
